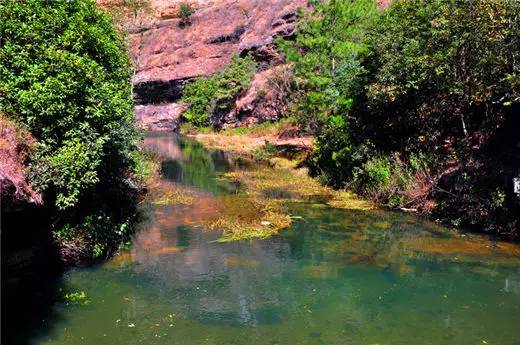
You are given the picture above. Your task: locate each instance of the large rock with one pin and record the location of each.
(168, 53)
(167, 50)
(265, 100)
(159, 117)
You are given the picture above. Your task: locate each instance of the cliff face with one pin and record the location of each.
(168, 53)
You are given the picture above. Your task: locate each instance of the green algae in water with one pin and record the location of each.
(334, 277)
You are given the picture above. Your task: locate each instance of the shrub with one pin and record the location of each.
(185, 12)
(397, 181)
(210, 98)
(65, 74)
(96, 235)
(374, 175)
(336, 155)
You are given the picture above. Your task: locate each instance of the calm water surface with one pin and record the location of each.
(334, 277)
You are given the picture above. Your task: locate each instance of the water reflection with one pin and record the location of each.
(334, 277)
(185, 161)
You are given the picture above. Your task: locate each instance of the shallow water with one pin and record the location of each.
(335, 277)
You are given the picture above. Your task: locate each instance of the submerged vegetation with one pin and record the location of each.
(243, 217)
(268, 190)
(261, 209)
(173, 195)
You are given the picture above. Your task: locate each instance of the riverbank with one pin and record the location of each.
(267, 144)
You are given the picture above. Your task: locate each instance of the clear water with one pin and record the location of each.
(334, 277)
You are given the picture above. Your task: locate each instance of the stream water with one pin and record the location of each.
(334, 277)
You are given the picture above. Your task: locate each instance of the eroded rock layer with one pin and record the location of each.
(168, 53)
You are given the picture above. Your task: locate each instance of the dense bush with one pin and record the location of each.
(65, 74)
(443, 71)
(431, 121)
(209, 98)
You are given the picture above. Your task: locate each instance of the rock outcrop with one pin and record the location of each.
(168, 53)
(15, 145)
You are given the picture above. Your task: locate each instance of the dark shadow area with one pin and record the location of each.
(31, 271)
(156, 92)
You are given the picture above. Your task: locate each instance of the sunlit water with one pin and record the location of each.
(334, 277)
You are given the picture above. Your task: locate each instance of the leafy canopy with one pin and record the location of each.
(64, 72)
(438, 82)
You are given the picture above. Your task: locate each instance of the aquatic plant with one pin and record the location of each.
(78, 298)
(173, 195)
(243, 217)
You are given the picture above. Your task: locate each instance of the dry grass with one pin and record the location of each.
(245, 141)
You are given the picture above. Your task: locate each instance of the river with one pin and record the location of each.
(334, 277)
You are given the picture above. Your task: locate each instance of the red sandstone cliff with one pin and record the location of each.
(167, 53)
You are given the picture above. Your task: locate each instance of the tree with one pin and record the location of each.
(327, 56)
(65, 74)
(444, 70)
(433, 117)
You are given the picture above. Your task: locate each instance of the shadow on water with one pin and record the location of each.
(31, 276)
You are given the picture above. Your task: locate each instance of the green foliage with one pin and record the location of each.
(438, 77)
(375, 174)
(185, 12)
(211, 96)
(443, 70)
(336, 155)
(327, 56)
(64, 72)
(97, 234)
(146, 168)
(395, 180)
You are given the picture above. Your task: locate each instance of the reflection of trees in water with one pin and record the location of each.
(187, 162)
(320, 264)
